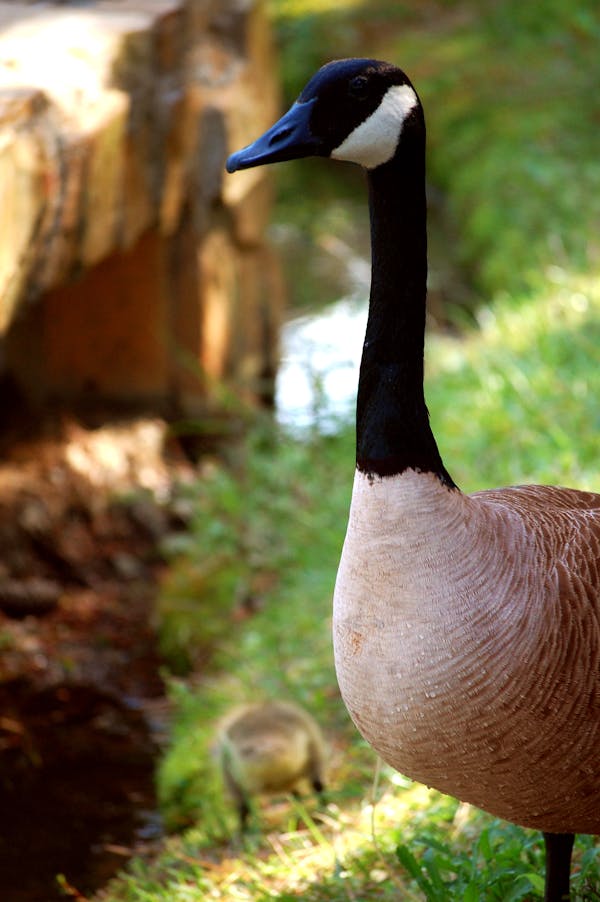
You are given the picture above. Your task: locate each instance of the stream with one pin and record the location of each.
(321, 348)
(318, 375)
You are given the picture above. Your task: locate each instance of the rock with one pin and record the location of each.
(27, 597)
(126, 251)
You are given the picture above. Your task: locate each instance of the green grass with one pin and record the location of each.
(512, 400)
(513, 111)
(513, 135)
(245, 607)
(516, 400)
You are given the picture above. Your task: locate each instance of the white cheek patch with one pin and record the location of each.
(375, 140)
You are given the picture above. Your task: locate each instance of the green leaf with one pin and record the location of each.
(536, 881)
(431, 865)
(484, 845)
(410, 863)
(523, 888)
(471, 893)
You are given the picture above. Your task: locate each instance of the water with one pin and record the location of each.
(318, 374)
(321, 350)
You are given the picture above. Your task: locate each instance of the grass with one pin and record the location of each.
(484, 392)
(513, 398)
(513, 115)
(516, 400)
(513, 125)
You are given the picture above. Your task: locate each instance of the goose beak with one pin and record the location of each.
(289, 139)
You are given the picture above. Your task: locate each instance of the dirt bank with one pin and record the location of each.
(82, 515)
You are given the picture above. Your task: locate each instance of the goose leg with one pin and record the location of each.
(558, 865)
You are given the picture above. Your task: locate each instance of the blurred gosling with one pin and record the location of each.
(270, 747)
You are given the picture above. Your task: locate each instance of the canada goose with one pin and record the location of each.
(269, 747)
(466, 627)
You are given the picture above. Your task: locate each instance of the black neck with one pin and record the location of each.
(392, 422)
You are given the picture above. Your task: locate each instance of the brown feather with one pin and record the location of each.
(467, 642)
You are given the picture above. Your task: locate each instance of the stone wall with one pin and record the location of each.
(133, 273)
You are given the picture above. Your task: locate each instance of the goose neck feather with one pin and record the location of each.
(392, 422)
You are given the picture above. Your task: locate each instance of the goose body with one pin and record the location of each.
(465, 633)
(466, 627)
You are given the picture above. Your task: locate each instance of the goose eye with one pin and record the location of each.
(357, 86)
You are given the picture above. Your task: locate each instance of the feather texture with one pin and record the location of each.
(467, 642)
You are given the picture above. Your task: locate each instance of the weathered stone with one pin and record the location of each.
(218, 285)
(251, 212)
(104, 179)
(25, 186)
(259, 314)
(124, 260)
(110, 328)
(29, 597)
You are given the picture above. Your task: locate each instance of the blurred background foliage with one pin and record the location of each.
(512, 101)
(511, 96)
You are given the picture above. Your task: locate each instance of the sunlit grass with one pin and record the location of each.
(517, 400)
(513, 399)
(412, 844)
(512, 113)
(511, 134)
(292, 9)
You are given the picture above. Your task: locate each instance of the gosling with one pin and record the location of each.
(269, 748)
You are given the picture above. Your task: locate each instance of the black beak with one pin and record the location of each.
(289, 139)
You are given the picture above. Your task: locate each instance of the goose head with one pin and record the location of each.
(358, 110)
(367, 112)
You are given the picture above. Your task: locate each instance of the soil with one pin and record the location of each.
(82, 711)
